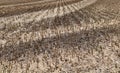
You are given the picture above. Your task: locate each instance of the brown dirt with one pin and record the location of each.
(86, 40)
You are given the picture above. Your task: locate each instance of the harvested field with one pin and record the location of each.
(60, 36)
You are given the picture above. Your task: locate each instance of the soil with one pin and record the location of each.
(71, 36)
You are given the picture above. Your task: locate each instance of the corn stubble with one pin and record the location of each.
(60, 36)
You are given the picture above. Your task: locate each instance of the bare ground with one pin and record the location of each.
(67, 39)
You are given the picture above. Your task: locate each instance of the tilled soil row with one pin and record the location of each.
(9, 10)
